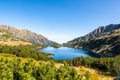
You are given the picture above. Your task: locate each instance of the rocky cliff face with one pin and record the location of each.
(26, 35)
(104, 40)
(96, 33)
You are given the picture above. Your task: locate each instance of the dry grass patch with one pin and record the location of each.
(14, 43)
(94, 74)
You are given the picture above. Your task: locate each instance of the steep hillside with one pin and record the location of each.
(11, 40)
(26, 35)
(104, 40)
(5, 36)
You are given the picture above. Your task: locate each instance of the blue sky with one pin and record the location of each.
(59, 20)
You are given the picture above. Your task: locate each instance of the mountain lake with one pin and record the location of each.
(63, 53)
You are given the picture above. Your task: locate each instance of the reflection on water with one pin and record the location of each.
(63, 53)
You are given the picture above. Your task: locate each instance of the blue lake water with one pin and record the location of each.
(63, 53)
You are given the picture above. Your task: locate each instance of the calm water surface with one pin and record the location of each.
(63, 53)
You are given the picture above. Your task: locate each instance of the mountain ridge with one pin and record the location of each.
(27, 35)
(96, 32)
(104, 40)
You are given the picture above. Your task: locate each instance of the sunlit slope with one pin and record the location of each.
(10, 40)
(14, 43)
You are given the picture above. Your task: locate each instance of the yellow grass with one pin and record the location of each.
(94, 74)
(14, 43)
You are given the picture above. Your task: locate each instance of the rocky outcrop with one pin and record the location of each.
(104, 40)
(26, 35)
(96, 33)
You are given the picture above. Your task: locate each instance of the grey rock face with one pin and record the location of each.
(104, 40)
(96, 33)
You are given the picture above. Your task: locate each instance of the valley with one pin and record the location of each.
(21, 49)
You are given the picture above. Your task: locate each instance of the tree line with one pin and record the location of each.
(25, 52)
(109, 66)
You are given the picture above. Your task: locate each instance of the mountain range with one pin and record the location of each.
(13, 34)
(103, 40)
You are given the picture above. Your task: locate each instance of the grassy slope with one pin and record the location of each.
(14, 43)
(94, 74)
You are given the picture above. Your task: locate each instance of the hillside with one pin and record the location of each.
(104, 40)
(30, 69)
(25, 35)
(11, 40)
